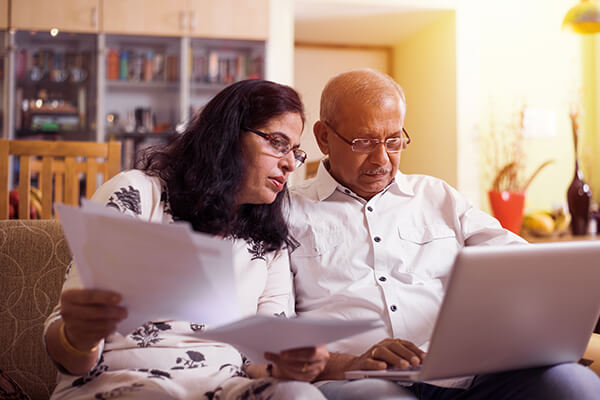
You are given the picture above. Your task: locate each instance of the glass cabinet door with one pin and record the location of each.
(55, 85)
(216, 63)
(141, 97)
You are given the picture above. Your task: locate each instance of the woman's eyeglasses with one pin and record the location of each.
(281, 144)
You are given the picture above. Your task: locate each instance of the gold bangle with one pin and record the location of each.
(69, 347)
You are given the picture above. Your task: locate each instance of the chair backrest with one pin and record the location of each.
(311, 169)
(57, 166)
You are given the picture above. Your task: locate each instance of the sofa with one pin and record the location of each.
(33, 258)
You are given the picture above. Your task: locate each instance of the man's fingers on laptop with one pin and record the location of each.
(392, 358)
(365, 362)
(408, 351)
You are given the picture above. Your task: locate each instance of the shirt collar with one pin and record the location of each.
(326, 184)
(402, 184)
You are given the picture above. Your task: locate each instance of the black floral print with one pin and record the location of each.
(195, 360)
(98, 370)
(233, 370)
(119, 391)
(68, 271)
(155, 373)
(215, 395)
(126, 199)
(197, 327)
(257, 249)
(147, 334)
(255, 391)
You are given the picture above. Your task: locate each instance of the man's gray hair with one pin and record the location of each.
(368, 85)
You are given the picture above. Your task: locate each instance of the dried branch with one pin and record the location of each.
(537, 171)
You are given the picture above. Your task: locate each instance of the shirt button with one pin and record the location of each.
(382, 278)
(370, 208)
(393, 307)
(377, 239)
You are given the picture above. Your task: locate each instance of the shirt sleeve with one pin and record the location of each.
(479, 228)
(276, 298)
(127, 192)
(131, 192)
(72, 281)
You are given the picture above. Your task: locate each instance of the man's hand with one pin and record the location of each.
(90, 315)
(303, 364)
(389, 353)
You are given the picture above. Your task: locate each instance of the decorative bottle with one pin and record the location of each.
(579, 194)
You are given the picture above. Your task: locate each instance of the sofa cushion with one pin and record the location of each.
(33, 258)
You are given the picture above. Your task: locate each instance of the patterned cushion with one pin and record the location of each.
(33, 258)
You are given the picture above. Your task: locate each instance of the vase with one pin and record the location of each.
(507, 208)
(579, 196)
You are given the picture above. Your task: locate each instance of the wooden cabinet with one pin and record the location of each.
(3, 14)
(141, 17)
(226, 19)
(67, 15)
(231, 19)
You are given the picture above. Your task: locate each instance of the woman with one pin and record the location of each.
(225, 175)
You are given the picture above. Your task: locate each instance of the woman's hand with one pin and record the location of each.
(303, 364)
(90, 316)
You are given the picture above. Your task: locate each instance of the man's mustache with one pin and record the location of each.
(377, 171)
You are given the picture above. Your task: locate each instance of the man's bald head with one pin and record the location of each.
(366, 86)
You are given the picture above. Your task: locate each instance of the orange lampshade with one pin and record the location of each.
(583, 18)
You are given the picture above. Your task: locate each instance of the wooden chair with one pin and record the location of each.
(58, 166)
(311, 169)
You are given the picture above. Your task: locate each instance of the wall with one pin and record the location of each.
(314, 66)
(527, 60)
(425, 67)
(591, 121)
(279, 61)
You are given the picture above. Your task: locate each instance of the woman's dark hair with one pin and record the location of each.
(203, 167)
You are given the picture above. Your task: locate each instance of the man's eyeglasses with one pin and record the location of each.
(281, 144)
(366, 145)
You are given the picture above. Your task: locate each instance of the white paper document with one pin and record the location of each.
(255, 335)
(163, 271)
(169, 272)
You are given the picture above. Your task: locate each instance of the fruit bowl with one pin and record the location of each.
(546, 224)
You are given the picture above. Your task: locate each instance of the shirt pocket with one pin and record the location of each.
(429, 250)
(426, 234)
(317, 242)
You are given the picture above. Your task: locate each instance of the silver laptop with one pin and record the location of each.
(511, 307)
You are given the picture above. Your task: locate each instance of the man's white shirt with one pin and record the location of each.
(388, 258)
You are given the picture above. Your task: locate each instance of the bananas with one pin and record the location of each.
(546, 223)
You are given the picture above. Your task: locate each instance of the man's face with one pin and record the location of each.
(366, 174)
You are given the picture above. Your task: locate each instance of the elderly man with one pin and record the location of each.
(376, 243)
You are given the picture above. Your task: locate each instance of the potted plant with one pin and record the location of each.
(507, 195)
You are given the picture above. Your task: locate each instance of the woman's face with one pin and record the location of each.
(267, 170)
